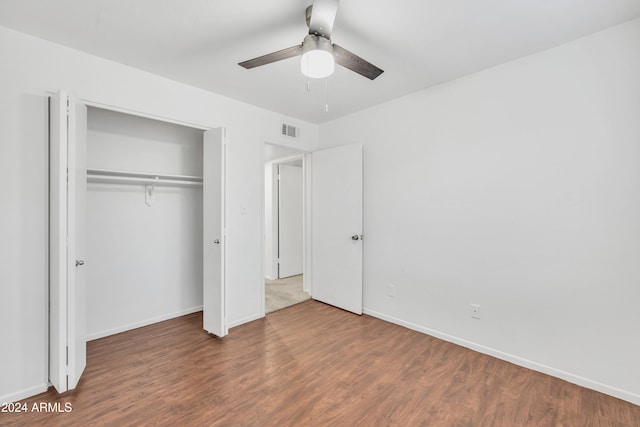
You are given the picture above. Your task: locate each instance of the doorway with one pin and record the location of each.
(144, 218)
(284, 222)
(332, 222)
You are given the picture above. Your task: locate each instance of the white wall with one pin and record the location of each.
(144, 263)
(517, 188)
(30, 68)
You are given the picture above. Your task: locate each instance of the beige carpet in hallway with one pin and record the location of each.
(283, 293)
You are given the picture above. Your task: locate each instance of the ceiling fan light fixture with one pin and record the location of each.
(317, 57)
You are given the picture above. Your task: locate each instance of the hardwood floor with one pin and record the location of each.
(312, 365)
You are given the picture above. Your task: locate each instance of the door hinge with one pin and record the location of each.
(67, 363)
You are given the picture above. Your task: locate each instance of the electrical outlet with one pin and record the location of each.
(475, 311)
(391, 290)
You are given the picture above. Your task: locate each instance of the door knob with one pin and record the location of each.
(79, 262)
(217, 241)
(355, 237)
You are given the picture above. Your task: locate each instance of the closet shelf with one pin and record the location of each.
(122, 177)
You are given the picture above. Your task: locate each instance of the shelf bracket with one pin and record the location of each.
(149, 193)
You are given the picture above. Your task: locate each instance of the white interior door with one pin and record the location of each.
(289, 220)
(213, 196)
(337, 227)
(67, 236)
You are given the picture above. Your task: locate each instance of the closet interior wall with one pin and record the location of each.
(144, 263)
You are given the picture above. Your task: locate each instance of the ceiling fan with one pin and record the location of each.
(319, 55)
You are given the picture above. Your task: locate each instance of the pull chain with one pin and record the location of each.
(326, 100)
(326, 93)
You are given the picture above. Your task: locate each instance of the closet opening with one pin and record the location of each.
(144, 221)
(136, 227)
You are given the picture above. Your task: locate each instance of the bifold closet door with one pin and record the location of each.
(67, 241)
(213, 195)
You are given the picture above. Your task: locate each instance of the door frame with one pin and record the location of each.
(307, 276)
(275, 164)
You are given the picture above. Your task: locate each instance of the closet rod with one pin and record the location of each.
(122, 177)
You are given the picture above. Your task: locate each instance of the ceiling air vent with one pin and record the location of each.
(289, 130)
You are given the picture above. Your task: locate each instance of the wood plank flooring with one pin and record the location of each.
(312, 365)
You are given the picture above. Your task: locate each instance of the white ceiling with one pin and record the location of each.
(419, 43)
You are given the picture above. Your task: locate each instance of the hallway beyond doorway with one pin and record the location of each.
(283, 293)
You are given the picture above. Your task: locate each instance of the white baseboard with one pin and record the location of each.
(146, 322)
(244, 320)
(516, 360)
(23, 394)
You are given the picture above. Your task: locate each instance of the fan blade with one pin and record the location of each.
(323, 15)
(272, 57)
(355, 63)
